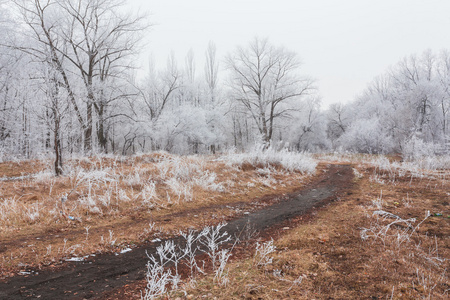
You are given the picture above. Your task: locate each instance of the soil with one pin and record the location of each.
(106, 274)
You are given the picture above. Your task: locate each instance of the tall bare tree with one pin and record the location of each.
(95, 41)
(263, 78)
(211, 70)
(45, 45)
(102, 41)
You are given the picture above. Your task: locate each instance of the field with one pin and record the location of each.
(379, 229)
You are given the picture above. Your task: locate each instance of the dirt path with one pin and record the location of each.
(106, 272)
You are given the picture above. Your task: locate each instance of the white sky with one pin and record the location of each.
(342, 44)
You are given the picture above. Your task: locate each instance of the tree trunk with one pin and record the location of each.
(57, 148)
(88, 130)
(101, 134)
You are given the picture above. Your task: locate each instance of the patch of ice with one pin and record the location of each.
(76, 258)
(125, 250)
(24, 273)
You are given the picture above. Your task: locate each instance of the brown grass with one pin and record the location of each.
(325, 257)
(321, 257)
(37, 229)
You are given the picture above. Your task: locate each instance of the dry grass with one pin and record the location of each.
(109, 203)
(324, 257)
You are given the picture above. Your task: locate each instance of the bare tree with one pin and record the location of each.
(443, 74)
(102, 42)
(189, 88)
(95, 40)
(264, 77)
(338, 120)
(56, 107)
(211, 70)
(44, 22)
(159, 87)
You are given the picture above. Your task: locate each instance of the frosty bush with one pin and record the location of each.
(208, 182)
(290, 161)
(415, 149)
(181, 189)
(417, 167)
(157, 279)
(366, 136)
(44, 176)
(208, 241)
(149, 193)
(432, 163)
(262, 253)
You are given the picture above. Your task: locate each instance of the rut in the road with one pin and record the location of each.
(103, 273)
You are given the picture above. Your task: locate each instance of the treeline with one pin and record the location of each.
(68, 86)
(406, 110)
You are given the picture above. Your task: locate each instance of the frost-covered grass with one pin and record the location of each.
(107, 185)
(260, 158)
(14, 211)
(103, 191)
(403, 238)
(434, 163)
(161, 279)
(425, 167)
(163, 275)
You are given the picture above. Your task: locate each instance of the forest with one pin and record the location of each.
(69, 86)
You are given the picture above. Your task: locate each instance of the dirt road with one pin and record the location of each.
(97, 275)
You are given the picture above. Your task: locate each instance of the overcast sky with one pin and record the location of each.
(342, 44)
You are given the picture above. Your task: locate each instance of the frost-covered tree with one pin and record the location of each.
(180, 111)
(306, 129)
(262, 78)
(407, 104)
(211, 71)
(90, 45)
(339, 117)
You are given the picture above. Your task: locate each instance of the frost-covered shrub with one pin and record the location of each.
(181, 189)
(430, 163)
(185, 129)
(44, 176)
(422, 155)
(157, 278)
(149, 194)
(93, 176)
(185, 170)
(208, 182)
(209, 241)
(415, 149)
(89, 202)
(262, 253)
(181, 174)
(366, 136)
(133, 178)
(258, 157)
